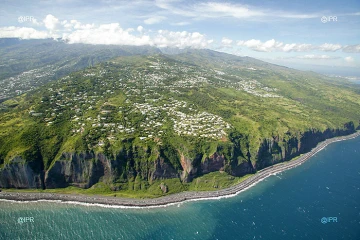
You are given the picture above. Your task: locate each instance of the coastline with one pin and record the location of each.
(173, 199)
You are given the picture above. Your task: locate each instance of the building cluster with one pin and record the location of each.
(29, 80)
(194, 123)
(140, 102)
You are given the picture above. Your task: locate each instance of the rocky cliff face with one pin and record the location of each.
(163, 170)
(19, 174)
(81, 170)
(274, 150)
(85, 169)
(216, 162)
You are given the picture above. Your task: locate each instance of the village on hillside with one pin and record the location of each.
(117, 101)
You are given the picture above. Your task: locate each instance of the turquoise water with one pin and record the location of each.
(289, 205)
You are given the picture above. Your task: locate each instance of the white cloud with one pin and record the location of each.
(129, 30)
(250, 43)
(154, 20)
(23, 33)
(106, 34)
(352, 48)
(183, 39)
(295, 47)
(181, 23)
(330, 47)
(276, 46)
(226, 41)
(349, 59)
(211, 9)
(223, 9)
(35, 22)
(74, 24)
(166, 4)
(140, 29)
(66, 24)
(115, 35)
(259, 46)
(312, 56)
(271, 44)
(350, 14)
(74, 31)
(51, 22)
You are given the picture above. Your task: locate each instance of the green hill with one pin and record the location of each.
(28, 64)
(158, 124)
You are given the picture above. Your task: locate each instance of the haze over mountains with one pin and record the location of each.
(26, 64)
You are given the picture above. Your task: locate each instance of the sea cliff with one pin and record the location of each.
(84, 169)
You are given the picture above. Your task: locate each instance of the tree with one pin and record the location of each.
(107, 146)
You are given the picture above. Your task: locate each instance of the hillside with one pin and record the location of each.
(149, 125)
(28, 64)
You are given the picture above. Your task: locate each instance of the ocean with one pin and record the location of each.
(318, 200)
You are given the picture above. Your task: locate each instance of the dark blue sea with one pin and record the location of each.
(317, 200)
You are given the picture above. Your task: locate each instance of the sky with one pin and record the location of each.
(303, 34)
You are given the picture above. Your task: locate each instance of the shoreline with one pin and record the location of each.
(173, 199)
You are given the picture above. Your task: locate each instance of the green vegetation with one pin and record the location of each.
(208, 182)
(26, 64)
(128, 125)
(215, 180)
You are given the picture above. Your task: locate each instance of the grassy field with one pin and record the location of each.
(208, 182)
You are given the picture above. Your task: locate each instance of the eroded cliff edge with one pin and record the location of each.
(84, 169)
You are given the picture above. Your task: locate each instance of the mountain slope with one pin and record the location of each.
(134, 122)
(27, 64)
